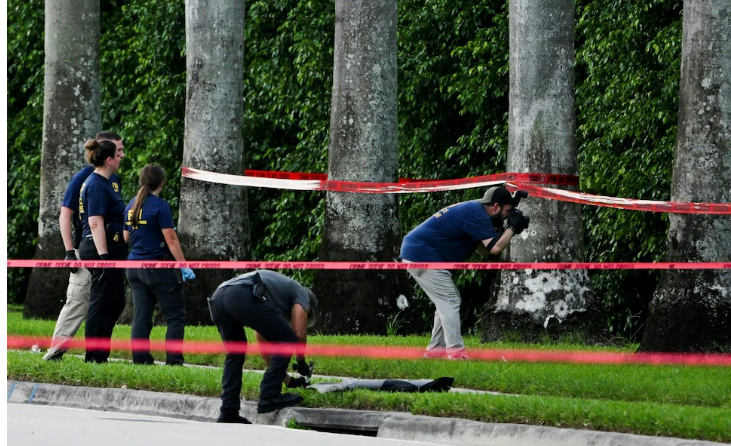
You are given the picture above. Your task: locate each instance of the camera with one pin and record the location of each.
(517, 196)
(516, 219)
(514, 212)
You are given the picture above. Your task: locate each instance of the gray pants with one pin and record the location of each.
(439, 286)
(73, 312)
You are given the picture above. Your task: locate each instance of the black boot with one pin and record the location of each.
(278, 402)
(227, 417)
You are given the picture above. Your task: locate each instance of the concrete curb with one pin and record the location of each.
(397, 425)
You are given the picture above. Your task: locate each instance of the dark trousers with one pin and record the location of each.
(150, 286)
(232, 309)
(106, 301)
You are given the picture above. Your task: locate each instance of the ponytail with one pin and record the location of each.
(151, 177)
(142, 195)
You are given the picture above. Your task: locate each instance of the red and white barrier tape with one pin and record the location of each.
(360, 265)
(538, 178)
(308, 181)
(624, 203)
(298, 181)
(576, 357)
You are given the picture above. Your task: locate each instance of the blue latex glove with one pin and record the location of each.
(188, 274)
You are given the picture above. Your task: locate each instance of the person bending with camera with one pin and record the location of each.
(451, 235)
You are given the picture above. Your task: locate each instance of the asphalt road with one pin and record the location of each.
(30, 425)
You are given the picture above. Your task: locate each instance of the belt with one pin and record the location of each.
(257, 288)
(117, 238)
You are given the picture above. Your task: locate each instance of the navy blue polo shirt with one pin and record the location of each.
(450, 235)
(146, 239)
(71, 198)
(99, 196)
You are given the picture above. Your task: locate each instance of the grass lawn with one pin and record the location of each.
(680, 401)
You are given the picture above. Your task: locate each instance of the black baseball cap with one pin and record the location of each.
(498, 195)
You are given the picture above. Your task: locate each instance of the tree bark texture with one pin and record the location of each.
(363, 147)
(71, 115)
(213, 222)
(541, 139)
(691, 310)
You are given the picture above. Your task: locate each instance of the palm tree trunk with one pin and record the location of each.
(363, 147)
(691, 310)
(213, 222)
(542, 139)
(71, 115)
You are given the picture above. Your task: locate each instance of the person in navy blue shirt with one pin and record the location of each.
(77, 294)
(150, 231)
(452, 235)
(101, 208)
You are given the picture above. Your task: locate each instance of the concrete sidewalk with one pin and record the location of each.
(397, 425)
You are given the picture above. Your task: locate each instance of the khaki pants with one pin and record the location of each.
(73, 312)
(439, 286)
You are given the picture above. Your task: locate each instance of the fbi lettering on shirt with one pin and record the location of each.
(81, 202)
(140, 221)
(441, 212)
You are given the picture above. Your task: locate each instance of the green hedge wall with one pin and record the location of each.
(453, 108)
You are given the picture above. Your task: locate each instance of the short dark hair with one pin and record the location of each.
(107, 136)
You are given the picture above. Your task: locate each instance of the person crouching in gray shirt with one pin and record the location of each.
(280, 310)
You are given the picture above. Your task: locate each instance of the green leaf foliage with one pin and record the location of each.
(25, 130)
(453, 119)
(628, 73)
(143, 87)
(287, 86)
